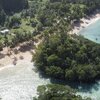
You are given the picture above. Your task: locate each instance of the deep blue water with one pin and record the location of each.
(92, 32)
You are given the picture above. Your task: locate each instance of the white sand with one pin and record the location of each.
(24, 52)
(84, 23)
(20, 81)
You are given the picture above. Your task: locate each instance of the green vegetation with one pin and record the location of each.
(38, 16)
(8, 7)
(19, 30)
(13, 5)
(68, 58)
(61, 14)
(61, 56)
(57, 92)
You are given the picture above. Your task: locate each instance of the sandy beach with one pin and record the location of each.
(18, 76)
(84, 22)
(23, 51)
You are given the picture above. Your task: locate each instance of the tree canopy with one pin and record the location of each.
(68, 58)
(13, 5)
(57, 92)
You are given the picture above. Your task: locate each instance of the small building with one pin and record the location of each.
(5, 31)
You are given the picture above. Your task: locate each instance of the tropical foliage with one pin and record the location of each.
(57, 92)
(68, 58)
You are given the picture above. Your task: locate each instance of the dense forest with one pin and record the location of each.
(8, 7)
(10, 18)
(13, 5)
(71, 58)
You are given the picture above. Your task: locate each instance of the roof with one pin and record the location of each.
(4, 31)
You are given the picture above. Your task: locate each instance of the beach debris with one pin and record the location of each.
(21, 57)
(87, 22)
(83, 26)
(9, 53)
(15, 51)
(15, 58)
(14, 62)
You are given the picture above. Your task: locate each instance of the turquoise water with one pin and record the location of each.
(92, 32)
(90, 90)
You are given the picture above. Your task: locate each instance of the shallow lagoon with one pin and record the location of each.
(92, 32)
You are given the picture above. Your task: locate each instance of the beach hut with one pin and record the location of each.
(5, 31)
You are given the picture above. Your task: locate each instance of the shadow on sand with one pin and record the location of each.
(2, 55)
(27, 47)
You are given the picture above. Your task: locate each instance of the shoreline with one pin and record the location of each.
(84, 23)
